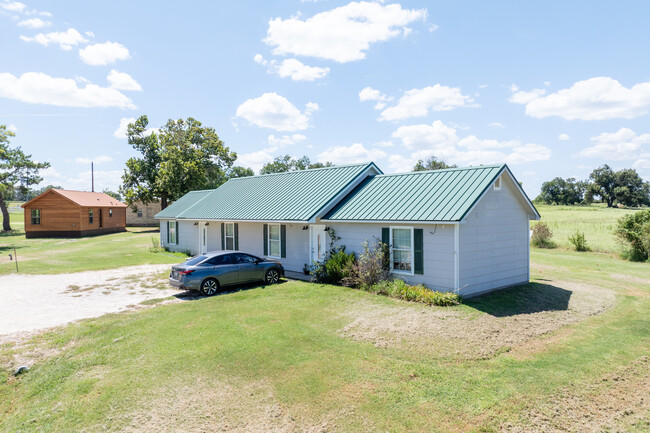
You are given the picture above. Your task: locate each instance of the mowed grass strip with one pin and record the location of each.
(287, 339)
(63, 255)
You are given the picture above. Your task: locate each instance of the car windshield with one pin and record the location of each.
(194, 260)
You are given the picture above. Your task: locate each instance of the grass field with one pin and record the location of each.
(596, 221)
(57, 255)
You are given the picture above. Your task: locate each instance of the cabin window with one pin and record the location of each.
(229, 236)
(139, 213)
(110, 213)
(497, 184)
(171, 235)
(36, 216)
(274, 240)
(401, 250)
(90, 216)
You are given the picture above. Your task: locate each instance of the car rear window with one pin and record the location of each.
(194, 260)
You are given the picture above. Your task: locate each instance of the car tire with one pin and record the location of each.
(209, 287)
(272, 276)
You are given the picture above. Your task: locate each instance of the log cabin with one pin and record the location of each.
(65, 213)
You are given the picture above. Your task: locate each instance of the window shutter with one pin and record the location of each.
(178, 232)
(385, 235)
(283, 241)
(223, 236)
(168, 231)
(236, 236)
(418, 251)
(266, 237)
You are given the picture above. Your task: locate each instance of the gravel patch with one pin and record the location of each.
(32, 303)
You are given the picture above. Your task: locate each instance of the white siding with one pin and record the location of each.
(188, 236)
(438, 253)
(494, 242)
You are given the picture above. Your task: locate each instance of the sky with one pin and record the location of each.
(551, 88)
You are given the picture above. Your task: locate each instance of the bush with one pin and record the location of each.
(400, 289)
(542, 235)
(370, 267)
(634, 232)
(579, 242)
(155, 245)
(334, 268)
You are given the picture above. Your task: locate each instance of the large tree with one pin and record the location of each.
(603, 182)
(17, 170)
(624, 186)
(432, 163)
(282, 164)
(180, 157)
(562, 191)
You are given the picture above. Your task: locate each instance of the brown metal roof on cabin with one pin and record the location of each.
(84, 198)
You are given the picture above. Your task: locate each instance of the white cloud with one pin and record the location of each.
(370, 94)
(276, 112)
(498, 125)
(524, 97)
(292, 68)
(12, 128)
(34, 23)
(120, 132)
(66, 40)
(623, 144)
(96, 160)
(40, 88)
(354, 153)
(103, 54)
(255, 160)
(285, 140)
(418, 102)
(14, 6)
(81, 181)
(443, 141)
(122, 81)
(343, 34)
(563, 137)
(598, 98)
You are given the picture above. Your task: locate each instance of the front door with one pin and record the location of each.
(318, 242)
(203, 238)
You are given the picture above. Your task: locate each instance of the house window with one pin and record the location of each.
(90, 216)
(274, 240)
(110, 213)
(36, 216)
(497, 184)
(229, 236)
(171, 235)
(401, 251)
(139, 213)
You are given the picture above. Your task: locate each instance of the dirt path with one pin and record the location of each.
(30, 303)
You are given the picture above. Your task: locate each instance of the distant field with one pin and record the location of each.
(596, 221)
(61, 255)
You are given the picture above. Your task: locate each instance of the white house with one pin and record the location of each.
(463, 229)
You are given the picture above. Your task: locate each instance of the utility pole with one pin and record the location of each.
(92, 176)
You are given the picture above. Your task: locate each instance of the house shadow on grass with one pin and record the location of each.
(525, 299)
(191, 295)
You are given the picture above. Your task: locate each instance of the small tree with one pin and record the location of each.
(16, 168)
(579, 241)
(371, 266)
(542, 235)
(634, 232)
(283, 164)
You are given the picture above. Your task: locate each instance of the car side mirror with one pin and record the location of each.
(257, 262)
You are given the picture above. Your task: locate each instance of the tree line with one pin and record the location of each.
(624, 187)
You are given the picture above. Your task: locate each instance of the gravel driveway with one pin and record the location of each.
(31, 303)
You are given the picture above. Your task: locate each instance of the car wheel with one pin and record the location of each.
(272, 276)
(209, 287)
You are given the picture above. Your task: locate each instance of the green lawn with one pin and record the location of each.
(59, 255)
(596, 221)
(277, 355)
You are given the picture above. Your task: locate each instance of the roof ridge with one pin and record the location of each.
(407, 173)
(302, 171)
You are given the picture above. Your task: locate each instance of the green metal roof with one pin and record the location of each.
(292, 196)
(183, 203)
(436, 195)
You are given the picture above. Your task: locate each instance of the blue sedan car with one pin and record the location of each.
(209, 272)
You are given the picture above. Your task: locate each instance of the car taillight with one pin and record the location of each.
(188, 272)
